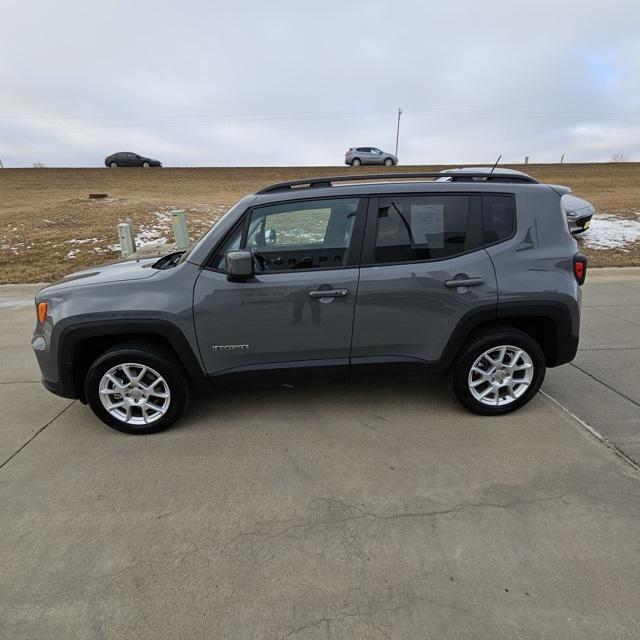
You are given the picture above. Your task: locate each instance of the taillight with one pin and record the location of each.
(580, 267)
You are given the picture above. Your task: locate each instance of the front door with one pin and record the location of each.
(296, 315)
(424, 269)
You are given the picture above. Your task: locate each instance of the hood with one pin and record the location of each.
(112, 272)
(575, 206)
(560, 189)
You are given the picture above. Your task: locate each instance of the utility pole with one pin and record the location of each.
(562, 158)
(1, 165)
(398, 129)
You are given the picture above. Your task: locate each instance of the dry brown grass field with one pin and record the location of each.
(49, 226)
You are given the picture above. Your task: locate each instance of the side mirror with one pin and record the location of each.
(270, 236)
(239, 265)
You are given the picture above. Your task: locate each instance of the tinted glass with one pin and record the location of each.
(422, 228)
(232, 244)
(498, 217)
(304, 235)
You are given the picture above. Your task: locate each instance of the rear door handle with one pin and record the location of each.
(467, 282)
(329, 293)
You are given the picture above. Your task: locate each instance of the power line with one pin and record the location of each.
(84, 122)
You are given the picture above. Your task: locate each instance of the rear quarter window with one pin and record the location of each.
(498, 217)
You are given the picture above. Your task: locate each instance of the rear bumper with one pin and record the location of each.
(566, 350)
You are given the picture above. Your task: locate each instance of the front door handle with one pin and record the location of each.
(466, 282)
(329, 293)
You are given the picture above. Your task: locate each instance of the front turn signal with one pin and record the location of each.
(42, 311)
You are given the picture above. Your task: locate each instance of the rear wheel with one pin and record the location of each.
(498, 371)
(356, 162)
(137, 388)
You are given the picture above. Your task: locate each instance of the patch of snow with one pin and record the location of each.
(72, 254)
(84, 241)
(156, 232)
(611, 232)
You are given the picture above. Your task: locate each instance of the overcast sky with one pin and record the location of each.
(204, 82)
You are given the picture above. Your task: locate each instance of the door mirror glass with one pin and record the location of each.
(270, 236)
(239, 265)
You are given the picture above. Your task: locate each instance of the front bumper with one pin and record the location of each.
(59, 389)
(579, 225)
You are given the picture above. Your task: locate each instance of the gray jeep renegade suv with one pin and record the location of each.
(328, 279)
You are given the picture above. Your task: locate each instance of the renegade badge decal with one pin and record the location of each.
(230, 347)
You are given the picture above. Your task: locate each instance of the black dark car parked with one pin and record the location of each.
(128, 159)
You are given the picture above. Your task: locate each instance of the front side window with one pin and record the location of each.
(302, 235)
(296, 235)
(232, 244)
(429, 227)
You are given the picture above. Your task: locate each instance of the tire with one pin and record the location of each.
(113, 165)
(510, 388)
(146, 165)
(356, 162)
(165, 398)
(388, 162)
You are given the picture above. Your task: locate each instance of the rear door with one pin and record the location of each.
(296, 315)
(365, 155)
(424, 270)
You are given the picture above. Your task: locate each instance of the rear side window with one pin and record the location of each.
(498, 217)
(428, 227)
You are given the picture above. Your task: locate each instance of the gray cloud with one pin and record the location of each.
(243, 83)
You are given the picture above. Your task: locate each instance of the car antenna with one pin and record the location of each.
(496, 164)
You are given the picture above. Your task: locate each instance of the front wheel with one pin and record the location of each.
(146, 165)
(498, 371)
(388, 162)
(137, 388)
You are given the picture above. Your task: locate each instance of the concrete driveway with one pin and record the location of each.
(379, 511)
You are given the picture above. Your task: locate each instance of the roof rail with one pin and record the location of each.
(327, 181)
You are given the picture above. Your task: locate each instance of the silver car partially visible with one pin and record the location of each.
(355, 156)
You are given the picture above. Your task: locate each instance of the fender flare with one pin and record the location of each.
(66, 340)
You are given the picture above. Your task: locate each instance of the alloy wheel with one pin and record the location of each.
(501, 375)
(134, 394)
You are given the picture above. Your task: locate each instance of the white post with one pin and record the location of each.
(526, 159)
(133, 233)
(179, 223)
(125, 235)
